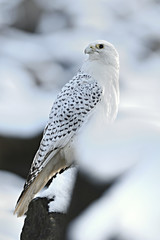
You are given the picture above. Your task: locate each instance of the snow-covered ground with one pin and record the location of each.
(34, 66)
(10, 185)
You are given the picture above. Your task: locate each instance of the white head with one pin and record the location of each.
(103, 51)
(103, 65)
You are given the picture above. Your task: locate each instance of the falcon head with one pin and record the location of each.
(101, 49)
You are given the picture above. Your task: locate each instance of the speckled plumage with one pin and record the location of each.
(94, 87)
(73, 104)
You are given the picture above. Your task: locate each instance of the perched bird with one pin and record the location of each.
(96, 86)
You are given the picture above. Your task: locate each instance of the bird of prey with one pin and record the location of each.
(95, 86)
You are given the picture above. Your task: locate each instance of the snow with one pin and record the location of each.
(131, 208)
(23, 107)
(61, 190)
(105, 152)
(10, 226)
(34, 66)
(130, 149)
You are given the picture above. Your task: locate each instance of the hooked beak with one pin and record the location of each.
(89, 49)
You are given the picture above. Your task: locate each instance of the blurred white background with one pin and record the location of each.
(41, 48)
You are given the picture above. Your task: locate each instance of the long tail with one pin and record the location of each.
(52, 167)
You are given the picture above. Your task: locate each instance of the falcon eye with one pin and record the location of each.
(101, 46)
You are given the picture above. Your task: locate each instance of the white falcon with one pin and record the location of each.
(96, 86)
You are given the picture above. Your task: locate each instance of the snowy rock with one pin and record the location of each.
(46, 216)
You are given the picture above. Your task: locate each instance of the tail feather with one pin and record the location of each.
(52, 167)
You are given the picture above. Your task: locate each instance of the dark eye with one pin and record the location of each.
(101, 46)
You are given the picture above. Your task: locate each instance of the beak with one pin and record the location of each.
(89, 49)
